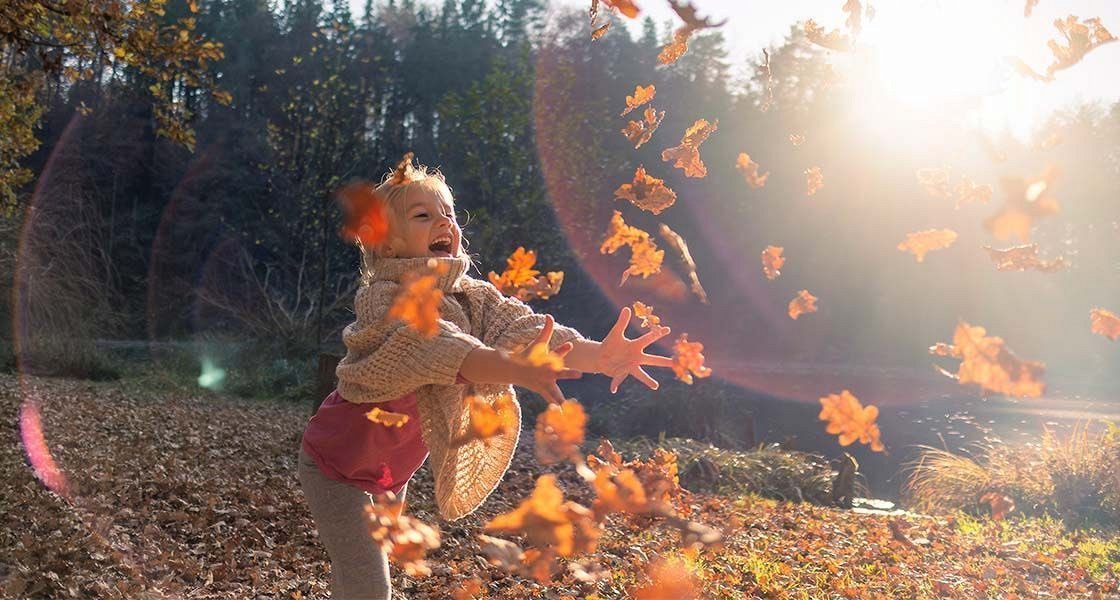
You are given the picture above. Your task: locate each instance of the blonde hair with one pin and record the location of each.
(396, 187)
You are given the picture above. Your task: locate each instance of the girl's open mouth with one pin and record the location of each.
(441, 247)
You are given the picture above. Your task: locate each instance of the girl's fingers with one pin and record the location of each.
(564, 349)
(554, 395)
(656, 360)
(617, 381)
(546, 332)
(620, 325)
(641, 375)
(569, 374)
(652, 336)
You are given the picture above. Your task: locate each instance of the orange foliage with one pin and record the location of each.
(488, 420)
(849, 419)
(646, 192)
(772, 261)
(922, 242)
(418, 300)
(522, 281)
(639, 132)
(669, 580)
(1000, 504)
(687, 154)
(559, 432)
(645, 313)
(1021, 258)
(1026, 201)
(749, 169)
(546, 520)
(677, 243)
(833, 40)
(676, 48)
(803, 303)
(1080, 38)
(403, 171)
(688, 359)
(1105, 323)
(384, 417)
(987, 362)
(814, 180)
(364, 218)
(404, 539)
(645, 258)
(640, 97)
(627, 7)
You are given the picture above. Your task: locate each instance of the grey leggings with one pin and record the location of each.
(359, 569)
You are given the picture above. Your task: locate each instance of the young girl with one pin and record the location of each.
(346, 461)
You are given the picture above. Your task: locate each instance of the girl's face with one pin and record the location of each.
(430, 228)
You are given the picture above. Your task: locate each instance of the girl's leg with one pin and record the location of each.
(359, 569)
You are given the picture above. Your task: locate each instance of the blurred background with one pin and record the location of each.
(168, 206)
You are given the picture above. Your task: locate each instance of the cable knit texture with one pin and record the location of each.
(386, 359)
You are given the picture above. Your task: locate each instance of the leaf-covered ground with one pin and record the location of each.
(195, 495)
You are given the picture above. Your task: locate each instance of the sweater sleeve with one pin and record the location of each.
(387, 359)
(509, 324)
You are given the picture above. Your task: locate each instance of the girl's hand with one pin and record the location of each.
(542, 379)
(620, 357)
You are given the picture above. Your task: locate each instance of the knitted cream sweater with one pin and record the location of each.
(386, 359)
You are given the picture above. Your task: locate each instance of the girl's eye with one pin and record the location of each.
(422, 215)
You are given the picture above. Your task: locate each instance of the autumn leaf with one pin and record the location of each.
(645, 313)
(688, 359)
(546, 520)
(639, 132)
(987, 362)
(796, 139)
(1080, 37)
(522, 281)
(749, 169)
(640, 97)
(1025, 201)
(620, 234)
(967, 191)
(600, 31)
(404, 171)
(921, 242)
(803, 303)
(687, 12)
(488, 419)
(365, 220)
(645, 258)
(1028, 7)
(1021, 258)
(627, 7)
(1000, 504)
(559, 432)
(687, 154)
(677, 243)
(854, 22)
(772, 261)
(848, 418)
(619, 491)
(384, 417)
(814, 180)
(668, 580)
(766, 74)
(675, 49)
(1105, 323)
(418, 299)
(405, 539)
(646, 192)
(833, 40)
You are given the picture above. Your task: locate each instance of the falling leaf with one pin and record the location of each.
(688, 359)
(620, 234)
(522, 281)
(849, 419)
(488, 418)
(640, 97)
(796, 139)
(384, 417)
(600, 31)
(803, 303)
(668, 580)
(1024, 202)
(1028, 7)
(833, 40)
(620, 491)
(546, 520)
(687, 12)
(749, 169)
(472, 589)
(645, 258)
(639, 132)
(1105, 323)
(768, 76)
(404, 539)
(1000, 504)
(627, 7)
(936, 182)
(418, 300)
(365, 220)
(646, 192)
(676, 48)
(967, 191)
(559, 432)
(987, 362)
(404, 171)
(677, 243)
(1080, 38)
(645, 313)
(814, 180)
(687, 154)
(922, 242)
(854, 22)
(1021, 258)
(772, 261)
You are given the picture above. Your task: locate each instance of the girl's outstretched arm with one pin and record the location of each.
(618, 357)
(487, 365)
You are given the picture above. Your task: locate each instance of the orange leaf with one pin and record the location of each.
(364, 218)
(987, 362)
(559, 432)
(1021, 258)
(522, 281)
(639, 132)
(749, 169)
(772, 261)
(688, 359)
(546, 520)
(1025, 201)
(646, 192)
(833, 40)
(849, 419)
(1080, 38)
(645, 313)
(600, 31)
(687, 154)
(418, 300)
(384, 417)
(620, 234)
(541, 356)
(404, 171)
(922, 242)
(669, 580)
(645, 258)
(640, 97)
(677, 243)
(621, 491)
(803, 303)
(1105, 323)
(1001, 504)
(627, 7)
(488, 419)
(675, 49)
(814, 180)
(404, 539)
